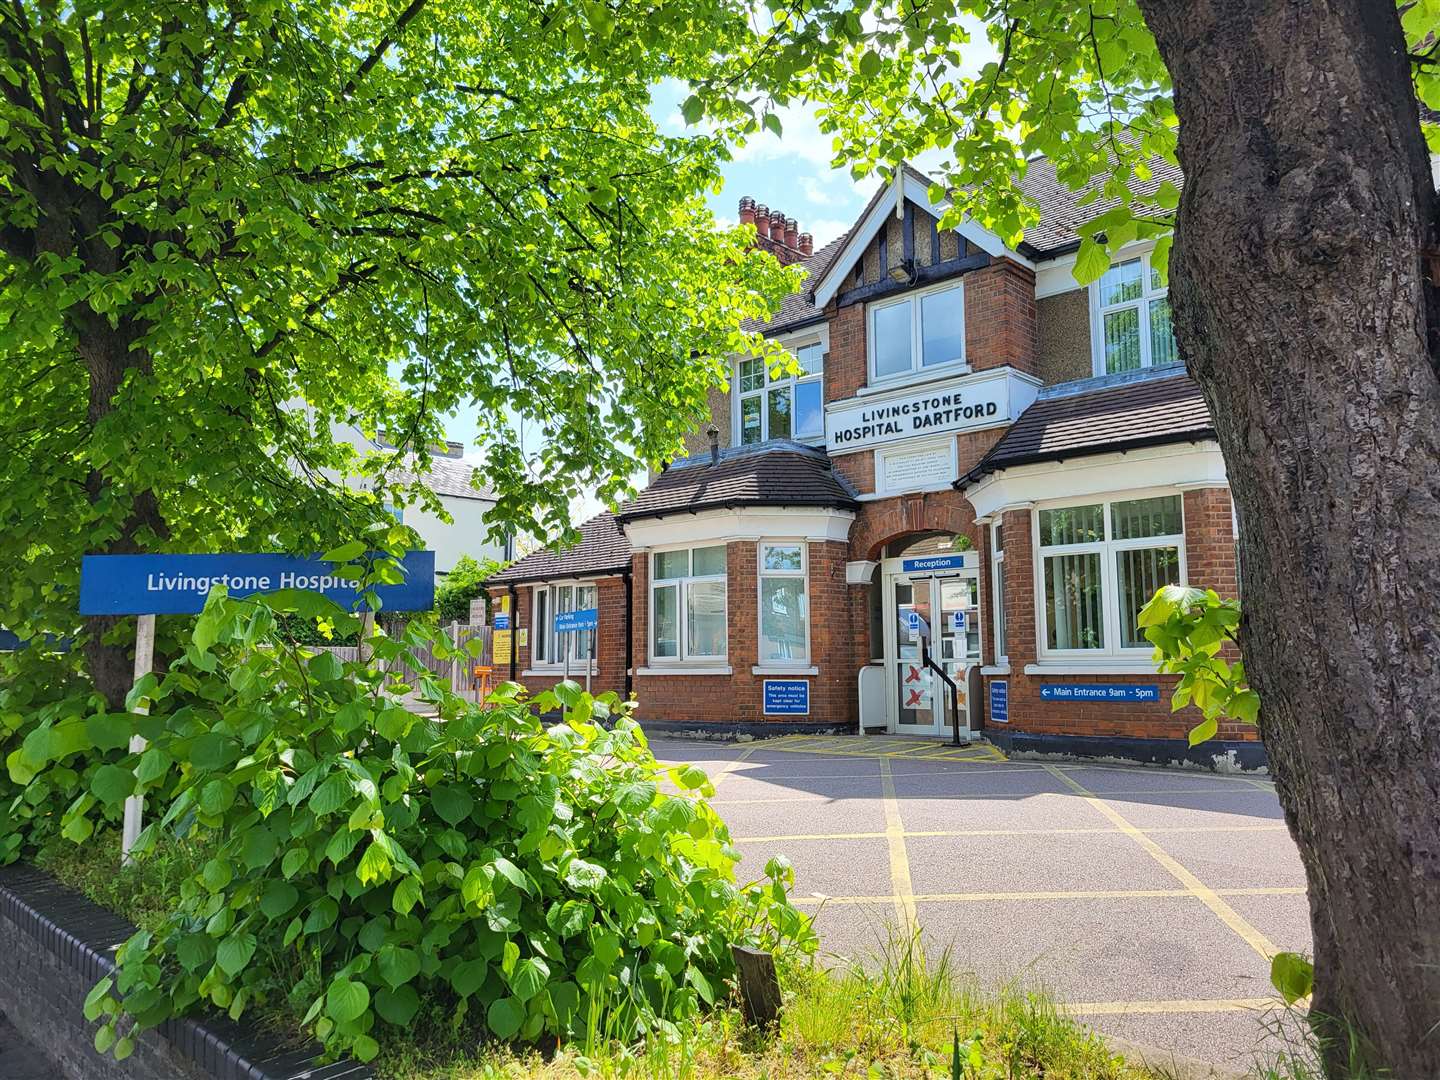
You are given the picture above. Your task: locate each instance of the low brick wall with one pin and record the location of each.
(55, 945)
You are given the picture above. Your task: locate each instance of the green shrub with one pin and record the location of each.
(465, 582)
(367, 859)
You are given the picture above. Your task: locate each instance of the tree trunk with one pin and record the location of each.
(109, 354)
(1302, 310)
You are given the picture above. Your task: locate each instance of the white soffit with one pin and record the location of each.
(743, 523)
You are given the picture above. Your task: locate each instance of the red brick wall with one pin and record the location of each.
(884, 520)
(609, 649)
(846, 365)
(1000, 326)
(1210, 562)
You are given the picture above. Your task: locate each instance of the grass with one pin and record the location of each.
(141, 892)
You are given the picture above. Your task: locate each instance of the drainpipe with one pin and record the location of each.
(514, 632)
(625, 576)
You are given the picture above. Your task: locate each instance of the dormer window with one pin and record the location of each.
(916, 332)
(1130, 308)
(782, 406)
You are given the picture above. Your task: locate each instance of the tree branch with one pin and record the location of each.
(382, 46)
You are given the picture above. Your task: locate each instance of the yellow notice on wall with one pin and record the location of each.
(522, 638)
(500, 647)
(505, 603)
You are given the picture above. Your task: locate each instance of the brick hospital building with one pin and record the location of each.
(974, 445)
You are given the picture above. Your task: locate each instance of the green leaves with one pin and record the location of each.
(1292, 975)
(452, 803)
(1191, 629)
(235, 952)
(504, 1017)
(346, 1000)
(112, 784)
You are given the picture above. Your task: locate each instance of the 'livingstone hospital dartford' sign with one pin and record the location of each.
(179, 584)
(973, 401)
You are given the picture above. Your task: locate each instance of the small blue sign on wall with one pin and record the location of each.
(568, 622)
(787, 697)
(1103, 692)
(999, 701)
(932, 562)
(502, 620)
(179, 584)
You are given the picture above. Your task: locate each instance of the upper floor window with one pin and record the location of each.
(687, 604)
(783, 406)
(1131, 321)
(918, 331)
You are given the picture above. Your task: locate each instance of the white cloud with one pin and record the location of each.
(826, 229)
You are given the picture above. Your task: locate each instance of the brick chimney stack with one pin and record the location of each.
(776, 233)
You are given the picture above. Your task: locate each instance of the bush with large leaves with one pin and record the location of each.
(370, 860)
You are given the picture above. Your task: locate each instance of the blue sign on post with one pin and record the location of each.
(502, 620)
(1105, 692)
(569, 622)
(999, 701)
(179, 584)
(787, 697)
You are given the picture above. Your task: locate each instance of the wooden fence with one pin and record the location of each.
(458, 673)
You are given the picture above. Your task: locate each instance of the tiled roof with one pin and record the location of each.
(1061, 211)
(602, 549)
(1125, 415)
(447, 476)
(796, 309)
(769, 474)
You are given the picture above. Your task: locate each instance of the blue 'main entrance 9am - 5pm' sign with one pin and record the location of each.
(179, 584)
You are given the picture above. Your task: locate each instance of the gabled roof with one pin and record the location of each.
(1150, 410)
(1061, 212)
(602, 549)
(779, 473)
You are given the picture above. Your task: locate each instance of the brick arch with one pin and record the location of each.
(887, 520)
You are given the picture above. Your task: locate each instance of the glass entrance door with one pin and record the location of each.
(920, 701)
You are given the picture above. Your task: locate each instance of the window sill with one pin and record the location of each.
(775, 669)
(997, 669)
(1092, 667)
(883, 385)
(548, 671)
(685, 669)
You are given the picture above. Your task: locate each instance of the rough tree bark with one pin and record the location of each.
(1302, 310)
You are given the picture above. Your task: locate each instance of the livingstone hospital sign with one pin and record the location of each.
(961, 404)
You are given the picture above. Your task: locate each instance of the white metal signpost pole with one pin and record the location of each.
(590, 660)
(144, 663)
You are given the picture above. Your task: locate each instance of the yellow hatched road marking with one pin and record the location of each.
(1202, 892)
(964, 796)
(1177, 1005)
(911, 834)
(731, 765)
(817, 899)
(899, 857)
(881, 747)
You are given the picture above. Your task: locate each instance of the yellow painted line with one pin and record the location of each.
(1177, 1005)
(1057, 894)
(1202, 892)
(731, 765)
(911, 834)
(899, 857)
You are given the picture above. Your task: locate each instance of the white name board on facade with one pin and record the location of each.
(965, 403)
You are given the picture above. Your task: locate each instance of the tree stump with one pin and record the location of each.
(759, 986)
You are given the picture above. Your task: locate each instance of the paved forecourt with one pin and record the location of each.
(1147, 901)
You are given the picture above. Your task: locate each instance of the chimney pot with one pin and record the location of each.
(777, 226)
(807, 244)
(713, 434)
(792, 230)
(762, 221)
(747, 210)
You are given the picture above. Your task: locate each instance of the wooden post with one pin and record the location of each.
(144, 664)
(759, 986)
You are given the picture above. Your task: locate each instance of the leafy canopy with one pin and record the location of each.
(227, 231)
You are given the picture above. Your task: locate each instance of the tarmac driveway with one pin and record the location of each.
(1147, 901)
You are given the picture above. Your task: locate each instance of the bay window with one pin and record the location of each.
(1100, 563)
(687, 604)
(784, 604)
(783, 405)
(918, 331)
(547, 646)
(1131, 309)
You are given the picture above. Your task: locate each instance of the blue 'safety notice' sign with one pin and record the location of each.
(787, 697)
(179, 584)
(1107, 692)
(999, 701)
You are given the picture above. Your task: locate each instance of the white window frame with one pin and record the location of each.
(997, 594)
(803, 574)
(918, 368)
(785, 380)
(1109, 583)
(554, 642)
(1142, 303)
(682, 657)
